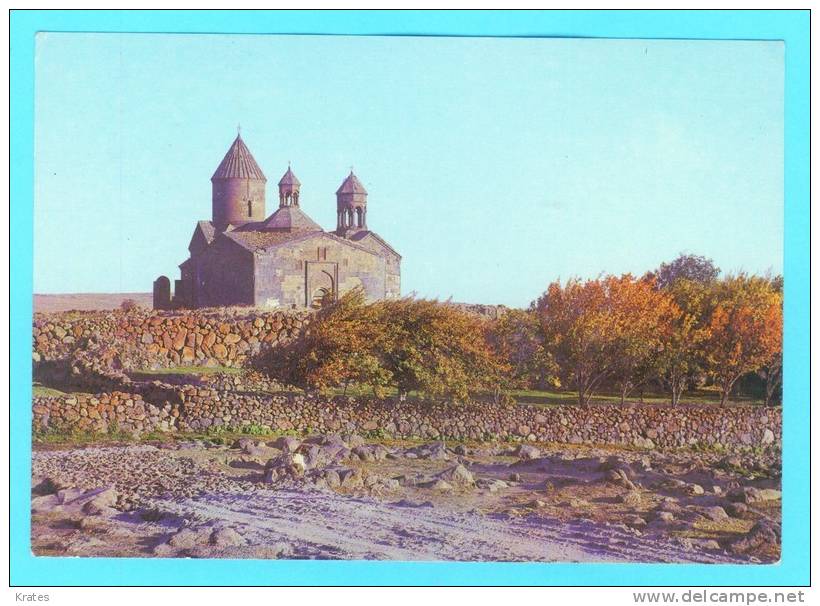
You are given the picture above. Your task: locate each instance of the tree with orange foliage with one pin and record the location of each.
(410, 344)
(580, 332)
(745, 328)
(437, 349)
(681, 359)
(337, 349)
(641, 315)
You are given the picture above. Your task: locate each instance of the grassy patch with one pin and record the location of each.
(40, 391)
(59, 437)
(553, 398)
(184, 371)
(707, 529)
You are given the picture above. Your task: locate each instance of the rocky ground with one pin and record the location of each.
(339, 497)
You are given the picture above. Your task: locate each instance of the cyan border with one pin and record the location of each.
(789, 26)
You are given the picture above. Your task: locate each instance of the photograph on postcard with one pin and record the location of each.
(407, 298)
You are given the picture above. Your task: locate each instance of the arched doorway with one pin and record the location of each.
(321, 297)
(323, 290)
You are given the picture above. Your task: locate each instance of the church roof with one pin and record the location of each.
(258, 240)
(289, 218)
(255, 240)
(208, 230)
(238, 163)
(361, 235)
(351, 185)
(289, 178)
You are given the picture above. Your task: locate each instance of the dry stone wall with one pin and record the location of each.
(202, 409)
(156, 339)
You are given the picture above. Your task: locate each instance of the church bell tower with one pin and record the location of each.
(351, 206)
(289, 189)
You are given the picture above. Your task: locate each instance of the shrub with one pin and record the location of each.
(409, 344)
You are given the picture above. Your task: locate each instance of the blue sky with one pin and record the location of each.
(494, 166)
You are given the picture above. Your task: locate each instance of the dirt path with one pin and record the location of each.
(406, 503)
(322, 524)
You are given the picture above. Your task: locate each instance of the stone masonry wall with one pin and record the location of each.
(141, 339)
(198, 409)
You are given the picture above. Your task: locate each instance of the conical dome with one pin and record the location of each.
(289, 178)
(237, 188)
(351, 185)
(239, 163)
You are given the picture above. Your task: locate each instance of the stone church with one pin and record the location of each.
(242, 256)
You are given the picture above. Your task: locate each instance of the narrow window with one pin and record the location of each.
(250, 209)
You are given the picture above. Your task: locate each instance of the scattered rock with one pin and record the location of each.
(695, 489)
(288, 464)
(353, 440)
(527, 452)
(45, 503)
(613, 463)
(620, 477)
(286, 443)
(186, 538)
(706, 544)
(715, 513)
(434, 451)
(751, 495)
(226, 537)
(493, 486)
(764, 533)
(441, 486)
(459, 476)
(633, 498)
(350, 478)
(769, 494)
(664, 516)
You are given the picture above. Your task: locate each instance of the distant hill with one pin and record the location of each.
(89, 301)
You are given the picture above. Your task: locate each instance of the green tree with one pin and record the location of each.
(518, 338)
